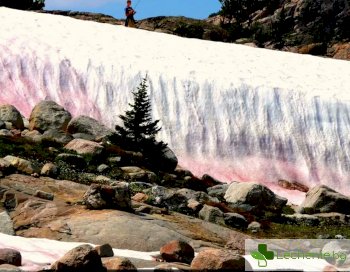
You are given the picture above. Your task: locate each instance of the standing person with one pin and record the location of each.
(129, 13)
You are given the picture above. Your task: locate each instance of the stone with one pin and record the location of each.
(293, 185)
(168, 160)
(140, 197)
(2, 125)
(194, 205)
(56, 136)
(211, 214)
(84, 147)
(84, 136)
(6, 133)
(302, 219)
(218, 191)
(181, 173)
(22, 165)
(89, 126)
(83, 258)
(172, 267)
(119, 264)
(49, 115)
(322, 199)
(209, 181)
(254, 227)
(105, 250)
(44, 195)
(137, 174)
(218, 259)
(6, 225)
(235, 220)
(177, 251)
(10, 114)
(108, 197)
(9, 268)
(5, 165)
(253, 197)
(10, 200)
(10, 256)
(102, 168)
(49, 169)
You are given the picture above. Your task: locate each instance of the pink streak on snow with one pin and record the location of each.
(265, 171)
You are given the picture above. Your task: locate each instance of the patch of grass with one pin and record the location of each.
(285, 231)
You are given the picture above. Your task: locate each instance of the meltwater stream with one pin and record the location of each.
(235, 112)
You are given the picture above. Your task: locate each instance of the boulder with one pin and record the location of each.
(235, 220)
(209, 181)
(322, 199)
(6, 225)
(10, 200)
(10, 256)
(49, 169)
(2, 125)
(84, 147)
(211, 214)
(5, 165)
(102, 168)
(105, 250)
(177, 251)
(49, 115)
(22, 165)
(6, 133)
(44, 195)
(83, 258)
(218, 259)
(168, 161)
(89, 126)
(254, 227)
(119, 264)
(137, 174)
(293, 185)
(218, 191)
(9, 268)
(10, 114)
(108, 197)
(84, 136)
(253, 197)
(56, 136)
(140, 197)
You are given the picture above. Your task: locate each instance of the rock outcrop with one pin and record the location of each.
(9, 113)
(322, 199)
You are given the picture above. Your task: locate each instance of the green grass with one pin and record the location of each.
(285, 231)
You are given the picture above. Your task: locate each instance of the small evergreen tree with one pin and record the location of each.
(138, 132)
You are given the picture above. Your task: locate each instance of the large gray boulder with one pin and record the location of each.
(168, 161)
(87, 125)
(49, 115)
(6, 225)
(212, 214)
(9, 113)
(253, 197)
(322, 199)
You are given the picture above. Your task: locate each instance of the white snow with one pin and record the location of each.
(38, 253)
(235, 112)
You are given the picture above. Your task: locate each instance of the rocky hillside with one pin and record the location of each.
(303, 26)
(61, 178)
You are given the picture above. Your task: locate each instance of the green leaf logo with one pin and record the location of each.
(262, 255)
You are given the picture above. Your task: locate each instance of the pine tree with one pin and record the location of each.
(138, 132)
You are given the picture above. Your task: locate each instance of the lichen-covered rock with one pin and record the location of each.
(235, 220)
(9, 113)
(49, 115)
(56, 136)
(49, 169)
